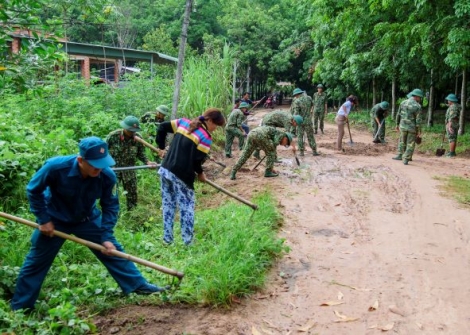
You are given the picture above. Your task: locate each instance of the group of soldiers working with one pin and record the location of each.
(267, 137)
(409, 120)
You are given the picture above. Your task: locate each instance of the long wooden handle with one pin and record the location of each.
(147, 144)
(98, 247)
(246, 202)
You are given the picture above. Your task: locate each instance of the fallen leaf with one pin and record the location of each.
(265, 331)
(254, 331)
(396, 310)
(420, 326)
(374, 306)
(307, 327)
(332, 303)
(348, 252)
(344, 318)
(338, 204)
(372, 327)
(388, 327)
(340, 295)
(270, 325)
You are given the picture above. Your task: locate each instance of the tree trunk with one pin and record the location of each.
(179, 71)
(234, 81)
(374, 92)
(248, 78)
(456, 90)
(464, 103)
(394, 98)
(430, 120)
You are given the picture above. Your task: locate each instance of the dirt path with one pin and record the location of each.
(363, 230)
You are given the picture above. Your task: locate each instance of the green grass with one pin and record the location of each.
(457, 187)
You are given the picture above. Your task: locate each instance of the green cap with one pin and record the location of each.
(289, 137)
(452, 97)
(298, 119)
(244, 105)
(417, 93)
(408, 95)
(297, 91)
(130, 123)
(319, 86)
(164, 110)
(384, 105)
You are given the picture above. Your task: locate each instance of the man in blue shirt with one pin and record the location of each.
(62, 195)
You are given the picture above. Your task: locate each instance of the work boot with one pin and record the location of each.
(301, 153)
(451, 154)
(232, 175)
(314, 131)
(256, 155)
(397, 157)
(270, 173)
(405, 161)
(383, 141)
(322, 131)
(147, 288)
(228, 155)
(315, 153)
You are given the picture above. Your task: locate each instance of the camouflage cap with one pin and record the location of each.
(130, 123)
(164, 110)
(290, 137)
(320, 86)
(452, 97)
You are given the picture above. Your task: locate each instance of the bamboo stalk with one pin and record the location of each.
(98, 247)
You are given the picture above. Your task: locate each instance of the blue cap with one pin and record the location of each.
(95, 151)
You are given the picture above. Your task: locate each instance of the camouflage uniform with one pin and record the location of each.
(262, 138)
(378, 113)
(409, 121)
(452, 116)
(301, 106)
(277, 119)
(233, 129)
(319, 101)
(125, 151)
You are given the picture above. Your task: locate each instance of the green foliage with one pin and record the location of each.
(457, 187)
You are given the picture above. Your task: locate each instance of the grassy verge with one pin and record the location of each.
(233, 248)
(457, 187)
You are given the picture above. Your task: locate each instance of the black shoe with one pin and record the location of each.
(405, 161)
(397, 157)
(314, 131)
(315, 153)
(150, 289)
(228, 155)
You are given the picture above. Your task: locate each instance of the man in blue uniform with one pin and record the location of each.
(62, 195)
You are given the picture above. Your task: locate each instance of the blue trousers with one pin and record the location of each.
(44, 249)
(176, 192)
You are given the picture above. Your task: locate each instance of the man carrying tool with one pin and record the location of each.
(280, 119)
(409, 124)
(267, 139)
(234, 129)
(320, 108)
(126, 150)
(301, 105)
(62, 195)
(452, 123)
(157, 117)
(246, 98)
(378, 114)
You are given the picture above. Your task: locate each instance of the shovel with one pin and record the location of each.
(260, 161)
(441, 151)
(351, 143)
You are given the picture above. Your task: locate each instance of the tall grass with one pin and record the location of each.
(206, 83)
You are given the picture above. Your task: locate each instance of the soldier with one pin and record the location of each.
(452, 123)
(378, 114)
(320, 107)
(263, 138)
(234, 128)
(125, 150)
(409, 124)
(280, 119)
(301, 106)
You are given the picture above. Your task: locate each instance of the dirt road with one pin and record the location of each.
(367, 234)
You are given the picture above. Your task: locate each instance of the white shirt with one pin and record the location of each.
(345, 108)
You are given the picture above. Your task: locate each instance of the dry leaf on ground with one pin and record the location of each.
(388, 327)
(340, 295)
(254, 331)
(332, 303)
(307, 327)
(344, 318)
(374, 306)
(396, 310)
